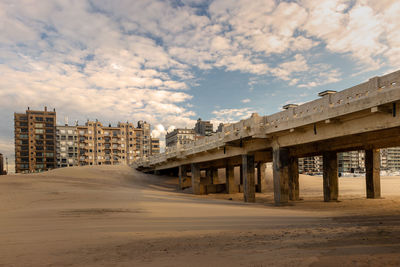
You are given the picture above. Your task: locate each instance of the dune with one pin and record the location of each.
(116, 216)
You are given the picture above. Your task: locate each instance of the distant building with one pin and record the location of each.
(352, 161)
(220, 127)
(310, 164)
(35, 140)
(67, 146)
(155, 146)
(203, 128)
(390, 158)
(179, 137)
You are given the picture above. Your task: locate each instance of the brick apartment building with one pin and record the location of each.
(35, 140)
(41, 145)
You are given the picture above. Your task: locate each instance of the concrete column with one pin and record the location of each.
(248, 178)
(241, 179)
(231, 187)
(214, 175)
(196, 186)
(182, 175)
(294, 179)
(330, 176)
(281, 175)
(372, 173)
(261, 182)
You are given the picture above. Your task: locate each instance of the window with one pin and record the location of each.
(49, 119)
(38, 125)
(38, 118)
(39, 131)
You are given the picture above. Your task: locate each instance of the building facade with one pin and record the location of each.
(310, 164)
(179, 137)
(351, 162)
(390, 159)
(35, 140)
(203, 128)
(67, 146)
(95, 144)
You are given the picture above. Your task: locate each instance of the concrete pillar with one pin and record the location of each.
(281, 175)
(241, 180)
(261, 179)
(294, 179)
(198, 189)
(248, 178)
(330, 176)
(214, 175)
(372, 173)
(182, 175)
(231, 187)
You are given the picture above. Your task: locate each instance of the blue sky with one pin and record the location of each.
(170, 62)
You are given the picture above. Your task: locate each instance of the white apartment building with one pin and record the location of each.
(67, 146)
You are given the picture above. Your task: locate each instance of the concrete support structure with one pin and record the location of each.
(281, 175)
(330, 176)
(372, 173)
(198, 188)
(294, 179)
(240, 186)
(248, 178)
(231, 187)
(182, 176)
(261, 179)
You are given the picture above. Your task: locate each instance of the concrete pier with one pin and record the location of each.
(281, 175)
(330, 176)
(248, 178)
(231, 187)
(372, 173)
(294, 193)
(261, 182)
(198, 188)
(182, 176)
(359, 118)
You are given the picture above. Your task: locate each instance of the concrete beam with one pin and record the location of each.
(372, 173)
(281, 175)
(330, 176)
(248, 178)
(294, 179)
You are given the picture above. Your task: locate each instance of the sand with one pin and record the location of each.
(114, 216)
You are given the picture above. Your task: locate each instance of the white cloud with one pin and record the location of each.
(246, 100)
(231, 115)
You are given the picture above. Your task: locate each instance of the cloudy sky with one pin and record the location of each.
(170, 62)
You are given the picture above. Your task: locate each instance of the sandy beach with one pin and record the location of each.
(115, 216)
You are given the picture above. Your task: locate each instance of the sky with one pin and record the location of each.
(171, 62)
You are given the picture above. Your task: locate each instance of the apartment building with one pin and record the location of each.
(179, 137)
(203, 128)
(35, 140)
(352, 161)
(155, 146)
(390, 159)
(109, 145)
(67, 146)
(310, 164)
